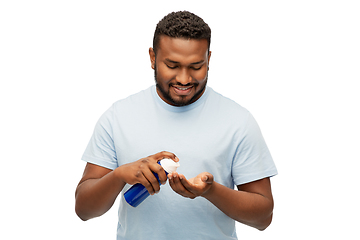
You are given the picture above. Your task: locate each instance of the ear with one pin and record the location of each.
(209, 55)
(152, 57)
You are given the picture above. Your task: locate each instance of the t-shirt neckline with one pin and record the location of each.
(171, 108)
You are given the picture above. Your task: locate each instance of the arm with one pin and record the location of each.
(99, 187)
(96, 191)
(251, 204)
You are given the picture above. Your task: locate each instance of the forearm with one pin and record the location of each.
(248, 208)
(95, 197)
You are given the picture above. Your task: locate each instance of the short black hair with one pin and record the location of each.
(182, 24)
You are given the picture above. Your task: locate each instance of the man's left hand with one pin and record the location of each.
(193, 187)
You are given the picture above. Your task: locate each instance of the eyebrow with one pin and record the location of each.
(175, 62)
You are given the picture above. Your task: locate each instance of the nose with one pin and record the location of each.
(183, 77)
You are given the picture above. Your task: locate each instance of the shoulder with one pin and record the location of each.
(134, 100)
(134, 103)
(226, 105)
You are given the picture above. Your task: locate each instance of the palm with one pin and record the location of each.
(199, 184)
(192, 187)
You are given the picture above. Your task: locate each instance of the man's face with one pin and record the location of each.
(181, 69)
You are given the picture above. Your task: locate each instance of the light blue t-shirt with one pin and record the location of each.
(213, 134)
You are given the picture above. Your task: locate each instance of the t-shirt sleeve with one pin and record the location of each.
(252, 160)
(101, 148)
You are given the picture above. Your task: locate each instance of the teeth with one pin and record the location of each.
(183, 88)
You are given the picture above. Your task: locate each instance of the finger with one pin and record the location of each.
(165, 154)
(207, 178)
(177, 185)
(156, 168)
(150, 182)
(187, 185)
(170, 176)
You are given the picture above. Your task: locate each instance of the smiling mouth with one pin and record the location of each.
(182, 90)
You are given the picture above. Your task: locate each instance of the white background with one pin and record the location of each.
(293, 64)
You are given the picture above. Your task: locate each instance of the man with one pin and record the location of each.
(217, 142)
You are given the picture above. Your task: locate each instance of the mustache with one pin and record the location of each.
(178, 84)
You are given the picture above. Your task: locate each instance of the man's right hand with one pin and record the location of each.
(99, 186)
(142, 171)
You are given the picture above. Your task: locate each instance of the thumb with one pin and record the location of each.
(207, 178)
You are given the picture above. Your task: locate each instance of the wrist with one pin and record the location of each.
(118, 173)
(209, 192)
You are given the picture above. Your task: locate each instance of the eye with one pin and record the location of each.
(196, 68)
(171, 67)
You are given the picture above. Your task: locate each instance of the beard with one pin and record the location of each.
(182, 101)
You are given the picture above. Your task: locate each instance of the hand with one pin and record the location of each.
(142, 171)
(193, 187)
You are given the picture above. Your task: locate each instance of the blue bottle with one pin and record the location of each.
(138, 193)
